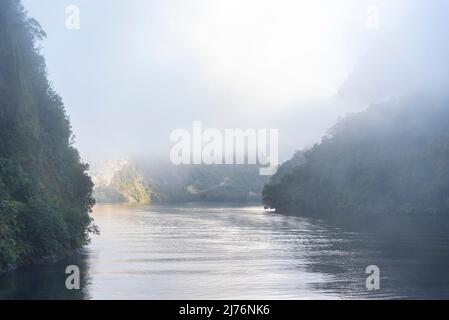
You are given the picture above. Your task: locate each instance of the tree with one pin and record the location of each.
(45, 192)
(392, 159)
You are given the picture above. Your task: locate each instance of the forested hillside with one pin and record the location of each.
(205, 183)
(45, 193)
(392, 159)
(146, 181)
(124, 185)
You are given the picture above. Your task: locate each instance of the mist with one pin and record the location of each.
(133, 73)
(224, 149)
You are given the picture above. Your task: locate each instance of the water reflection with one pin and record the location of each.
(44, 282)
(211, 252)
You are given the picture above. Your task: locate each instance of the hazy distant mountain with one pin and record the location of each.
(147, 181)
(119, 181)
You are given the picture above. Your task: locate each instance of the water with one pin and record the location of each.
(239, 252)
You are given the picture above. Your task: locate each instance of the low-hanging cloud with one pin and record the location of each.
(135, 71)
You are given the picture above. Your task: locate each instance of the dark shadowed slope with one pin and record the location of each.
(392, 159)
(45, 193)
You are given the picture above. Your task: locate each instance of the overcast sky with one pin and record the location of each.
(136, 70)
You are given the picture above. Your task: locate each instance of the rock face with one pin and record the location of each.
(119, 182)
(103, 172)
(148, 181)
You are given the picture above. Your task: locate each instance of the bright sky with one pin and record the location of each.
(279, 51)
(138, 69)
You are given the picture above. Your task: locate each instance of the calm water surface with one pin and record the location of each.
(237, 252)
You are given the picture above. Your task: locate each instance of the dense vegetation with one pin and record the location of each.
(392, 159)
(127, 185)
(166, 183)
(205, 183)
(45, 193)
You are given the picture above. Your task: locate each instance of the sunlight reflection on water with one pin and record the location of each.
(208, 252)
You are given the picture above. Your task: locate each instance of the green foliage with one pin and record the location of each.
(45, 193)
(167, 183)
(127, 185)
(204, 183)
(392, 159)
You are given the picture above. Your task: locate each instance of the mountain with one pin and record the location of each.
(119, 182)
(45, 192)
(160, 182)
(392, 159)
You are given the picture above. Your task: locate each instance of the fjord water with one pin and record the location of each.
(238, 252)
